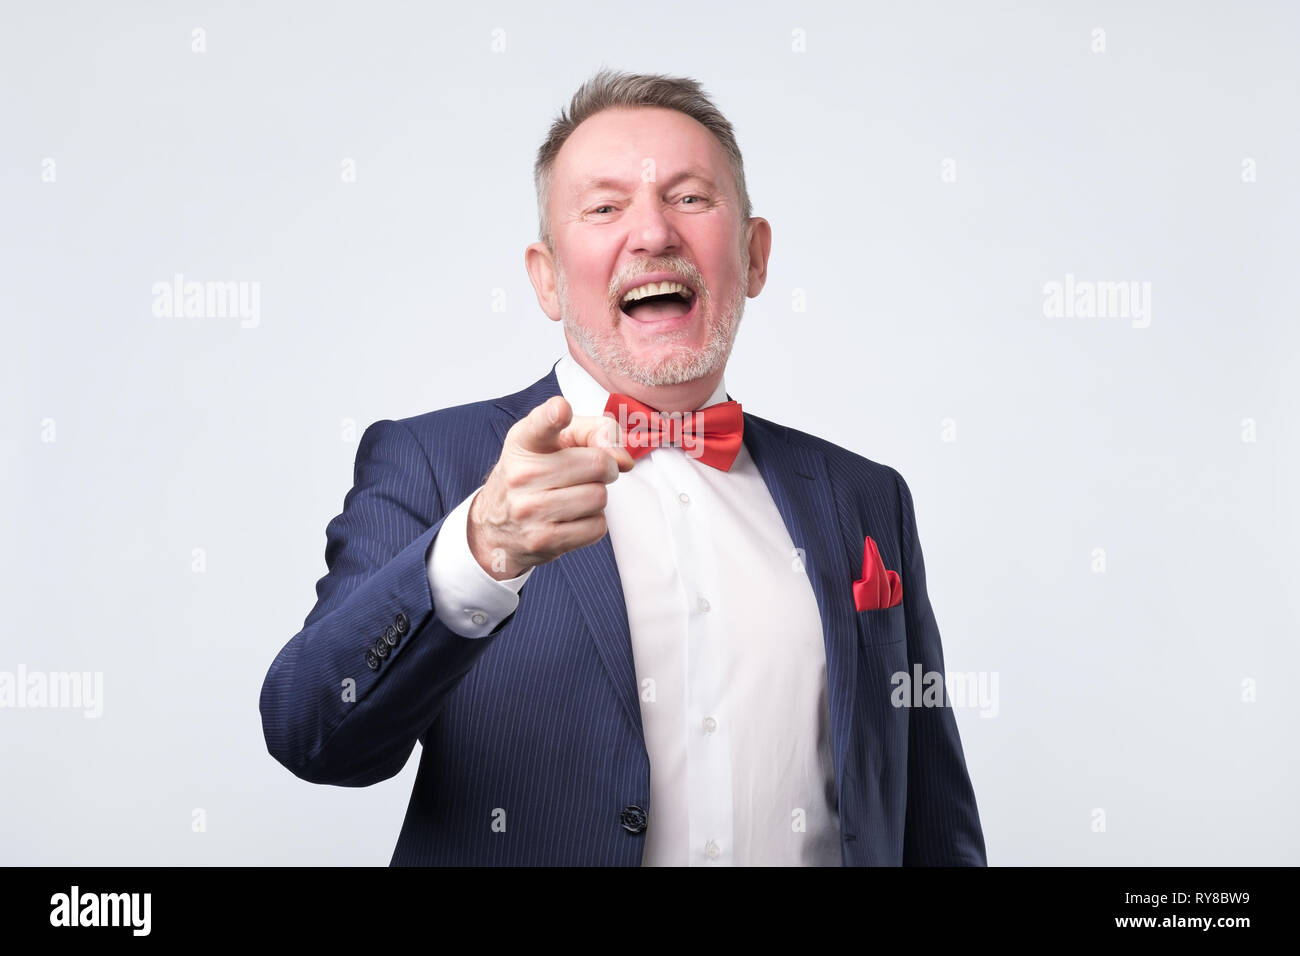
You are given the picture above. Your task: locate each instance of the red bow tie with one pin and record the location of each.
(713, 434)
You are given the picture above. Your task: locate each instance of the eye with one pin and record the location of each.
(700, 198)
(597, 210)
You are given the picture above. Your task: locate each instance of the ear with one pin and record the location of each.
(540, 263)
(760, 247)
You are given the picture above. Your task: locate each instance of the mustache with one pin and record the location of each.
(682, 267)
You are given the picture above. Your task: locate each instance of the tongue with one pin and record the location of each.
(658, 307)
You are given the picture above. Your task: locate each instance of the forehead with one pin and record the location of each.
(616, 143)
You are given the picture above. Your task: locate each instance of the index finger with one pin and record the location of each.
(539, 431)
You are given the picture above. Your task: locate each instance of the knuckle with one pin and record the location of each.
(524, 508)
(524, 473)
(534, 540)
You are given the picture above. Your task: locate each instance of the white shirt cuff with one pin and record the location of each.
(466, 598)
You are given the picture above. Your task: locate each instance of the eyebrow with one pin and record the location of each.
(607, 182)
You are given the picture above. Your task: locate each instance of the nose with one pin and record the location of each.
(650, 231)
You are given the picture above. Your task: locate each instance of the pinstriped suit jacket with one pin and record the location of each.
(537, 726)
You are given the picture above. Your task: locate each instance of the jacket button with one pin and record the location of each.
(633, 819)
(381, 648)
(372, 659)
(402, 623)
(391, 637)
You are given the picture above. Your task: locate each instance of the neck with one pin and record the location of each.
(684, 397)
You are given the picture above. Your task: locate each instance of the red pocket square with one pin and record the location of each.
(878, 587)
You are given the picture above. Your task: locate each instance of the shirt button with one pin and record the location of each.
(684, 498)
(710, 725)
(478, 617)
(702, 604)
(711, 850)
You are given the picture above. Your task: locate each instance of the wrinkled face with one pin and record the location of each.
(651, 258)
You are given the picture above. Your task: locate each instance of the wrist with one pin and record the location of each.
(491, 557)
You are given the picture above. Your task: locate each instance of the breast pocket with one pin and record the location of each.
(882, 626)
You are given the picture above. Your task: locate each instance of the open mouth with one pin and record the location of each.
(657, 301)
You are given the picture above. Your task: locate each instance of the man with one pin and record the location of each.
(624, 619)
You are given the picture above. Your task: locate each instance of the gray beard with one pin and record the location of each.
(681, 365)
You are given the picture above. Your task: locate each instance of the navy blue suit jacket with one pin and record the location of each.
(538, 725)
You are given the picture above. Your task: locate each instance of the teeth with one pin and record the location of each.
(656, 288)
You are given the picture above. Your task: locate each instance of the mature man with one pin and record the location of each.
(628, 622)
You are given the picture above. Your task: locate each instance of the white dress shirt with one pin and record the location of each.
(728, 649)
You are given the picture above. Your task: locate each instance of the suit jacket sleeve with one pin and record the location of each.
(326, 714)
(943, 826)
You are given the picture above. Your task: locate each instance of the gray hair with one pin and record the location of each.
(608, 89)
